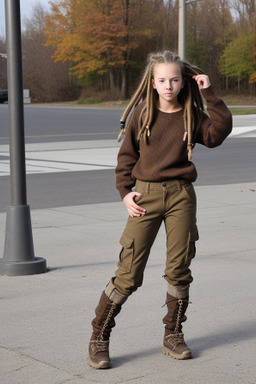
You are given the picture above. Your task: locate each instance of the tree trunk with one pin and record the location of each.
(111, 78)
(124, 87)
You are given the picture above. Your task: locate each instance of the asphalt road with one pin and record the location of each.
(232, 162)
(49, 124)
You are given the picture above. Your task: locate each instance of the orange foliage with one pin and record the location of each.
(90, 33)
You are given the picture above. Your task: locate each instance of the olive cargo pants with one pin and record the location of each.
(174, 203)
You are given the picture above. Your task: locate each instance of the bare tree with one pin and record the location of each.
(47, 81)
(209, 25)
(170, 25)
(246, 11)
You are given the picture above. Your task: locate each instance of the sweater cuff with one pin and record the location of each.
(208, 93)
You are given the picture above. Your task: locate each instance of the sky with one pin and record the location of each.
(26, 7)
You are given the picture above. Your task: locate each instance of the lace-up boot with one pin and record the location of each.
(106, 311)
(174, 344)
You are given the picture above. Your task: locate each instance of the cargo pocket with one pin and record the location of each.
(194, 236)
(126, 254)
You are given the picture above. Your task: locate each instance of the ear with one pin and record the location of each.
(153, 83)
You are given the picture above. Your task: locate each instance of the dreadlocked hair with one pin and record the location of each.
(189, 97)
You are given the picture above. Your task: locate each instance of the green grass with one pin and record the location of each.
(233, 101)
(94, 102)
(243, 111)
(89, 100)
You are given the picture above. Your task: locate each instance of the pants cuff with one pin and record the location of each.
(178, 292)
(113, 294)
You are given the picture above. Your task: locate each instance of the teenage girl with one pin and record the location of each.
(154, 176)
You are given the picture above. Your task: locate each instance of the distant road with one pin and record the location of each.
(50, 124)
(44, 124)
(57, 148)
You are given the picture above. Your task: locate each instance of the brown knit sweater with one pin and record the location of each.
(164, 156)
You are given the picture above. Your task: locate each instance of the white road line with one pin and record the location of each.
(79, 155)
(244, 131)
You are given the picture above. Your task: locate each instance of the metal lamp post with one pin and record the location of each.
(182, 27)
(18, 256)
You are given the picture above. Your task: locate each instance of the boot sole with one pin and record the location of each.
(100, 365)
(184, 356)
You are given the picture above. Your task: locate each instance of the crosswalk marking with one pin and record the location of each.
(79, 155)
(65, 157)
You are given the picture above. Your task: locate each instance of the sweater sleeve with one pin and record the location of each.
(127, 158)
(212, 130)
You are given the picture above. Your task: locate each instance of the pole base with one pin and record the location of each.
(38, 265)
(19, 256)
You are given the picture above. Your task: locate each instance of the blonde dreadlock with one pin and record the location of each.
(189, 97)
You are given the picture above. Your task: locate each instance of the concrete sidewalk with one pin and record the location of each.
(45, 319)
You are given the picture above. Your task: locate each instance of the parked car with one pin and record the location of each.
(3, 95)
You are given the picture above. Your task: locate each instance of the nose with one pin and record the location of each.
(169, 85)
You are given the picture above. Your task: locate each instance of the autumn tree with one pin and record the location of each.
(103, 44)
(47, 81)
(104, 36)
(91, 34)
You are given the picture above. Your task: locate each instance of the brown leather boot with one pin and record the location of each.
(174, 344)
(106, 311)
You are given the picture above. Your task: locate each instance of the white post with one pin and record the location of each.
(182, 30)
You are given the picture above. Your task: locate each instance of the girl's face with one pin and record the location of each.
(167, 80)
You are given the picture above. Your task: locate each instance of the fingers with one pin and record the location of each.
(134, 209)
(203, 81)
(137, 197)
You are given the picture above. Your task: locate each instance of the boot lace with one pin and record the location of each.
(179, 314)
(178, 319)
(175, 339)
(100, 337)
(99, 346)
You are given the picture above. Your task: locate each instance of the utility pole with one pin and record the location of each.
(19, 256)
(182, 27)
(182, 30)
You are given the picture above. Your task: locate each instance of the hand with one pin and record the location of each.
(203, 81)
(134, 209)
